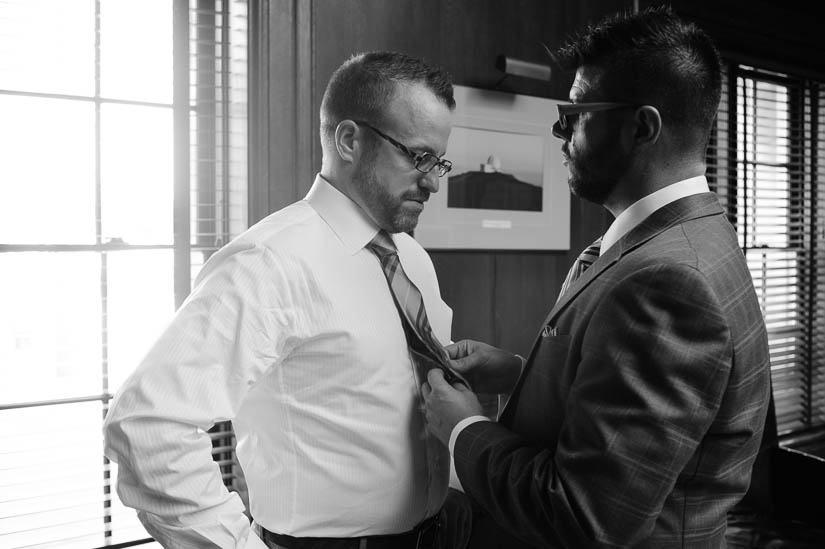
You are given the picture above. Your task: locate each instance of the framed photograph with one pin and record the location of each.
(508, 187)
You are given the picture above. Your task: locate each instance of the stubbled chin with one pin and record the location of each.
(406, 220)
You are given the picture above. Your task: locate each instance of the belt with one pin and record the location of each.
(423, 536)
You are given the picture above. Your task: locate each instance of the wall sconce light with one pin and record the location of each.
(511, 66)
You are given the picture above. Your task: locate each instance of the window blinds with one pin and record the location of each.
(765, 163)
(218, 130)
(90, 119)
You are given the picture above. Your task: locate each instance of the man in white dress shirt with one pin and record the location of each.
(292, 333)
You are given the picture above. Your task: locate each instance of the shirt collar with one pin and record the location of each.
(348, 221)
(642, 208)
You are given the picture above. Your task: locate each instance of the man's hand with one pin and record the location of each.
(487, 368)
(447, 404)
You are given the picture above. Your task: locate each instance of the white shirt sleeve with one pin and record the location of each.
(460, 426)
(463, 424)
(197, 373)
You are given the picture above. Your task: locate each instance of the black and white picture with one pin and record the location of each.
(495, 171)
(508, 186)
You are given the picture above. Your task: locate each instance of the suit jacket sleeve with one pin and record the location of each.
(654, 361)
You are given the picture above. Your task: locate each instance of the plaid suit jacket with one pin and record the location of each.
(639, 413)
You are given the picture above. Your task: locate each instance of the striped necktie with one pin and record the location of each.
(585, 259)
(410, 305)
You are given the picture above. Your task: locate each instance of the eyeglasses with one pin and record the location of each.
(563, 128)
(424, 162)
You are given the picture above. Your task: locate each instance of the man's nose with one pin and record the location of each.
(559, 132)
(429, 180)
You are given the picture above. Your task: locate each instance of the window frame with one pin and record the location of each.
(191, 101)
(728, 174)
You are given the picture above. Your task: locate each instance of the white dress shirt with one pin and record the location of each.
(645, 206)
(292, 333)
(623, 224)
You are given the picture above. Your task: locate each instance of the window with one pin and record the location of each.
(122, 168)
(766, 163)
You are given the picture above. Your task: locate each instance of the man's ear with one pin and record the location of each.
(648, 125)
(348, 141)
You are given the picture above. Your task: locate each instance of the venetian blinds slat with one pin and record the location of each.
(764, 161)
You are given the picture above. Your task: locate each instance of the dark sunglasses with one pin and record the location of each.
(563, 128)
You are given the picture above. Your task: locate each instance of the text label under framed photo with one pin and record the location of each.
(508, 186)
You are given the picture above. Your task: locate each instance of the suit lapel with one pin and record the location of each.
(684, 209)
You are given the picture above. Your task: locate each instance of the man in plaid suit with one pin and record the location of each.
(636, 419)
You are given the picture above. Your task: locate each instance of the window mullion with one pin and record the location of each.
(816, 408)
(807, 287)
(104, 330)
(180, 53)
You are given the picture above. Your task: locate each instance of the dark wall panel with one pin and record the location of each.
(467, 281)
(526, 288)
(781, 35)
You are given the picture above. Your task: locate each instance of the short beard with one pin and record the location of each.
(587, 187)
(387, 211)
(596, 186)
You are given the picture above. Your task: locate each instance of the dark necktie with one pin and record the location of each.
(410, 305)
(585, 260)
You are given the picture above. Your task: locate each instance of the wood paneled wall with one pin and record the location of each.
(500, 297)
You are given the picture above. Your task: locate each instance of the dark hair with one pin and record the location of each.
(363, 86)
(653, 57)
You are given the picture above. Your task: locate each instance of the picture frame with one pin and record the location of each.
(508, 188)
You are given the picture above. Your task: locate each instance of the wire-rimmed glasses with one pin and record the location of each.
(424, 162)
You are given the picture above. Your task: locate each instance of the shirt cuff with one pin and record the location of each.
(460, 427)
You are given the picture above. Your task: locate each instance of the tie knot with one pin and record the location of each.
(382, 244)
(591, 253)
